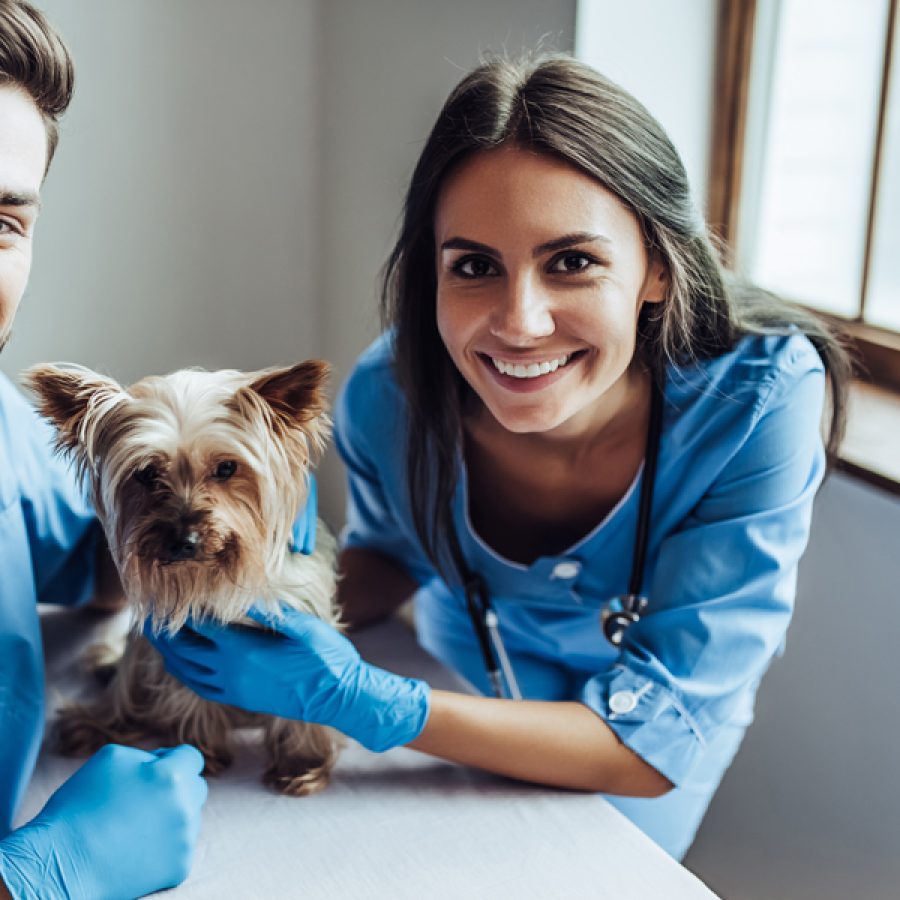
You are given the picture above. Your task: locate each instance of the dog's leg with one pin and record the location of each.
(143, 703)
(81, 729)
(207, 726)
(301, 756)
(165, 707)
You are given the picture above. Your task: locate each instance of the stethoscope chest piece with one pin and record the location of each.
(619, 614)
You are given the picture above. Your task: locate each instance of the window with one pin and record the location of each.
(806, 184)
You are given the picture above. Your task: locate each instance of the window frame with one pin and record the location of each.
(876, 349)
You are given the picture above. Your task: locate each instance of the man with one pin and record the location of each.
(126, 823)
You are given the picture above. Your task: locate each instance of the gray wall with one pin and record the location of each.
(810, 809)
(179, 224)
(227, 186)
(388, 68)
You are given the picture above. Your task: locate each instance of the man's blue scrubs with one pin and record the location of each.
(48, 535)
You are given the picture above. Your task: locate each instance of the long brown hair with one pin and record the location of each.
(556, 105)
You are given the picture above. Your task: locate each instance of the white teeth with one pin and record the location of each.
(532, 370)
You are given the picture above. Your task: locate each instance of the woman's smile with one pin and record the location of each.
(520, 375)
(541, 275)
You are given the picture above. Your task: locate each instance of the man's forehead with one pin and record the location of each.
(23, 145)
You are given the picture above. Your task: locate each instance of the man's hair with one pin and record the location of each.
(34, 58)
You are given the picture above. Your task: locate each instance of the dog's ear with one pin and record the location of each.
(68, 396)
(297, 392)
(297, 397)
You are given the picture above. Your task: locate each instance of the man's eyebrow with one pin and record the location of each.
(570, 240)
(19, 198)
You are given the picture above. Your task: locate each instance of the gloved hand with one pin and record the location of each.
(303, 533)
(300, 668)
(124, 825)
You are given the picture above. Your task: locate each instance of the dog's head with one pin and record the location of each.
(196, 476)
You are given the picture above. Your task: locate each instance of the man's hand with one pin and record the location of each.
(124, 825)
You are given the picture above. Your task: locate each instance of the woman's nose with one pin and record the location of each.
(522, 314)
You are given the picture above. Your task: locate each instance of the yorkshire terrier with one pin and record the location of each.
(196, 478)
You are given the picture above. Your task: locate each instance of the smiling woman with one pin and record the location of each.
(552, 273)
(541, 277)
(572, 401)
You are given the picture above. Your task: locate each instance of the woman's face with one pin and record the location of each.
(541, 273)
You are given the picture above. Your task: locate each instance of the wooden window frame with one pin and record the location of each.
(877, 350)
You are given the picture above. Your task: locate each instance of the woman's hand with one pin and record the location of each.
(124, 825)
(299, 667)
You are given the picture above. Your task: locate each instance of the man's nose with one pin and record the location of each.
(523, 313)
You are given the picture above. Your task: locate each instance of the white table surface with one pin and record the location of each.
(394, 825)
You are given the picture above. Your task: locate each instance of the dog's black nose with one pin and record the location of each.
(184, 546)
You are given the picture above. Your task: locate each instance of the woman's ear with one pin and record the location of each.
(656, 282)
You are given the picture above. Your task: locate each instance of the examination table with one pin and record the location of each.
(396, 825)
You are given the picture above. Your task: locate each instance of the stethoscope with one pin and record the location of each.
(617, 615)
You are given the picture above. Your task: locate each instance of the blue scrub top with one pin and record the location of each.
(740, 461)
(48, 536)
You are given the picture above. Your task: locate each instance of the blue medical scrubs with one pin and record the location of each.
(740, 460)
(48, 536)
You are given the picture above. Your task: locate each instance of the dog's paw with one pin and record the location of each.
(77, 732)
(101, 661)
(294, 782)
(216, 763)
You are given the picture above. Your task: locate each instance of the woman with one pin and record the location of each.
(559, 327)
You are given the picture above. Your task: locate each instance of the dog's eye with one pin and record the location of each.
(147, 476)
(225, 469)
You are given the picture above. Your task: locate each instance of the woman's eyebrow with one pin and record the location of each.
(461, 243)
(560, 243)
(569, 240)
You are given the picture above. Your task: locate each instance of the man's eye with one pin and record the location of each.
(225, 469)
(572, 262)
(474, 267)
(147, 476)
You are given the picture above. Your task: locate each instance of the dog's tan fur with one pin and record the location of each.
(272, 425)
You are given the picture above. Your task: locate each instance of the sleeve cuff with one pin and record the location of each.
(647, 718)
(73, 584)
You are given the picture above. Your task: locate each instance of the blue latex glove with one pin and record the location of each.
(304, 530)
(124, 825)
(301, 668)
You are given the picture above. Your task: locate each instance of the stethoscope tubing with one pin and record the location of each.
(615, 622)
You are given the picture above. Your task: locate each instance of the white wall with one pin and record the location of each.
(664, 53)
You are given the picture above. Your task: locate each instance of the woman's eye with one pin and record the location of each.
(225, 469)
(147, 475)
(474, 267)
(572, 262)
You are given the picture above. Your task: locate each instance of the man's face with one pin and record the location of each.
(23, 157)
